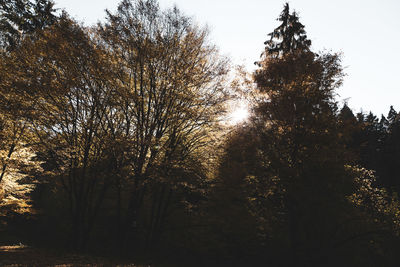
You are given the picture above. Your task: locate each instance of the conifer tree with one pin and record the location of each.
(289, 36)
(19, 17)
(302, 150)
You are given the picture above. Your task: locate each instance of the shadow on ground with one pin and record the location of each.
(21, 255)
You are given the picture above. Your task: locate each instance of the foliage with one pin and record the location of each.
(16, 184)
(375, 201)
(21, 17)
(67, 98)
(18, 20)
(128, 107)
(171, 95)
(301, 186)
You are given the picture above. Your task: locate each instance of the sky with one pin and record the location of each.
(366, 32)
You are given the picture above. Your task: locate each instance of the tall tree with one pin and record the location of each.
(63, 83)
(18, 20)
(302, 149)
(170, 94)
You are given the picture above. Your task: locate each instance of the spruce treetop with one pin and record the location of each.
(289, 36)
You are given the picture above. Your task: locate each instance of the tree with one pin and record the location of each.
(377, 146)
(18, 20)
(170, 94)
(21, 17)
(63, 82)
(302, 149)
(243, 210)
(289, 36)
(131, 105)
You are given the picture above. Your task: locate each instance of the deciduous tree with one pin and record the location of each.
(170, 96)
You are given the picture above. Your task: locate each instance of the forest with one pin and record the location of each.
(114, 141)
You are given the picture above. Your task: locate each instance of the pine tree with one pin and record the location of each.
(20, 17)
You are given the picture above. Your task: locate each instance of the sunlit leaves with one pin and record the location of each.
(18, 181)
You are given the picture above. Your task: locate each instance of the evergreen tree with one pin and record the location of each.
(302, 146)
(19, 17)
(391, 152)
(289, 36)
(392, 115)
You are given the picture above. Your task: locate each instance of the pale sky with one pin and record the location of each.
(367, 32)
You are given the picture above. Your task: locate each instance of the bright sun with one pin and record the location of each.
(239, 114)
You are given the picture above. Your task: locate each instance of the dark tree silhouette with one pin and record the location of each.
(19, 17)
(289, 36)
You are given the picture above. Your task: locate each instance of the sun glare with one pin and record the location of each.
(239, 115)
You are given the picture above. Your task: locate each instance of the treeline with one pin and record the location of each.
(113, 140)
(375, 142)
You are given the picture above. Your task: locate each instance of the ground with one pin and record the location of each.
(22, 255)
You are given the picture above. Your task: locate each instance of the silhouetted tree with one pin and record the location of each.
(288, 37)
(63, 79)
(170, 94)
(18, 20)
(302, 146)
